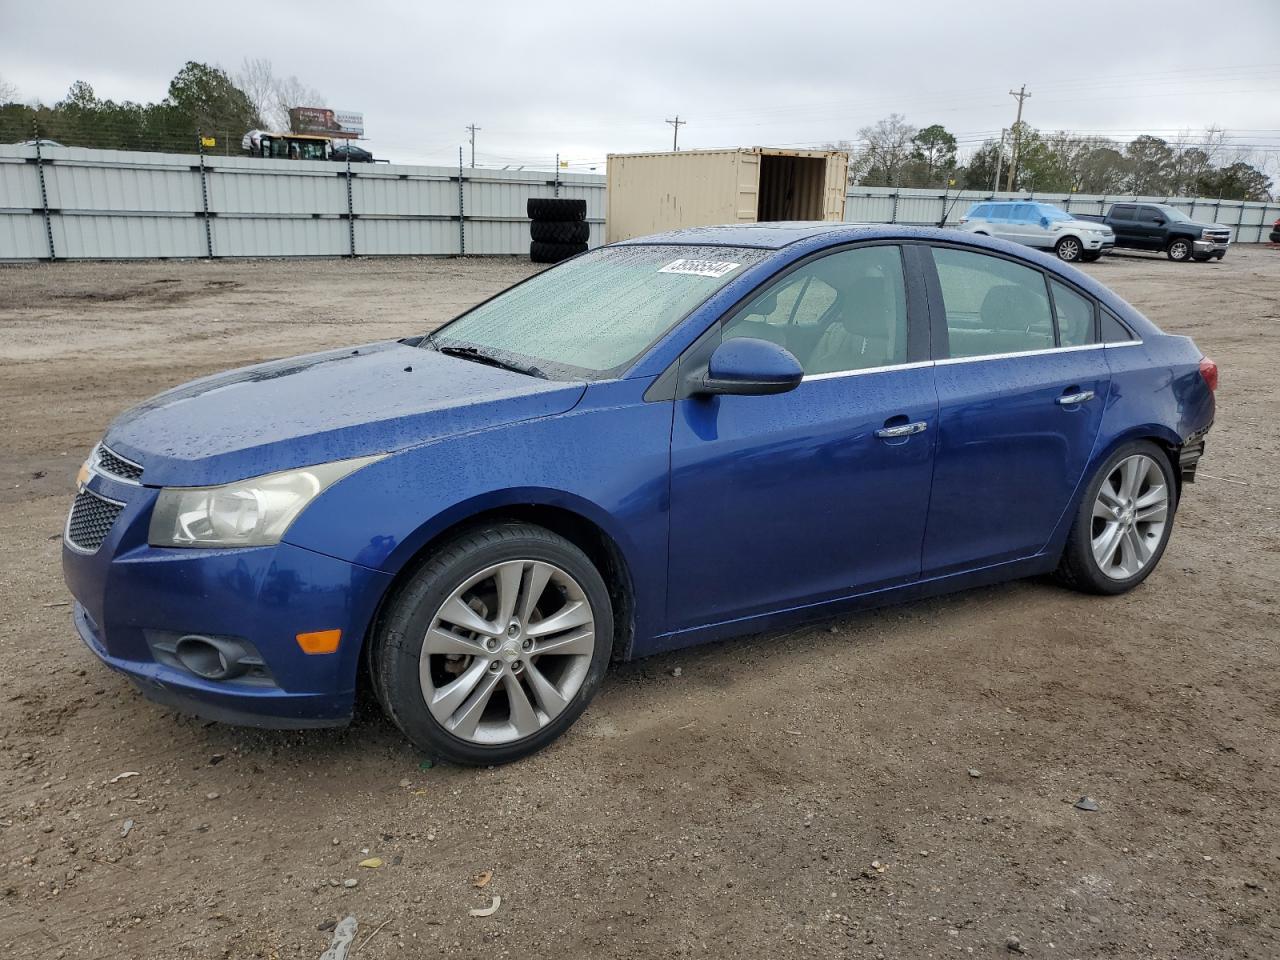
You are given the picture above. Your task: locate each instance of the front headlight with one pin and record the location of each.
(248, 513)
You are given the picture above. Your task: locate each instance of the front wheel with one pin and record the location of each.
(1123, 522)
(1068, 249)
(1179, 250)
(494, 646)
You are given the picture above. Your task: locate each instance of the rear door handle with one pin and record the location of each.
(905, 430)
(1075, 399)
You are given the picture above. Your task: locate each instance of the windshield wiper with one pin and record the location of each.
(479, 356)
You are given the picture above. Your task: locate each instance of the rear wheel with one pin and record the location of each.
(1123, 522)
(1068, 249)
(1179, 250)
(495, 646)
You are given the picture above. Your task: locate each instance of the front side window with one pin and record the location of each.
(992, 305)
(841, 312)
(595, 314)
(1150, 215)
(1053, 214)
(1075, 316)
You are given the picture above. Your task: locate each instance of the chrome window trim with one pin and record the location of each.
(1021, 353)
(66, 527)
(914, 365)
(954, 360)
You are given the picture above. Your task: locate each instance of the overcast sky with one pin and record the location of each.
(588, 79)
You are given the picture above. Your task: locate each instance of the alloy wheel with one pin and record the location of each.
(507, 651)
(1129, 517)
(1069, 250)
(1179, 250)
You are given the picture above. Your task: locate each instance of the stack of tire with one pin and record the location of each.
(558, 228)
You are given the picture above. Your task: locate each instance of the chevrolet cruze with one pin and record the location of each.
(661, 442)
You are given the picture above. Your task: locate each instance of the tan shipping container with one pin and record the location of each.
(651, 192)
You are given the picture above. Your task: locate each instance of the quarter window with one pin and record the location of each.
(1075, 316)
(992, 305)
(1113, 331)
(844, 311)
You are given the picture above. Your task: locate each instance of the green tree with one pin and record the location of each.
(934, 148)
(204, 98)
(1237, 181)
(1150, 166)
(980, 171)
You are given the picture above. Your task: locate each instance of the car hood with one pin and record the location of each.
(320, 407)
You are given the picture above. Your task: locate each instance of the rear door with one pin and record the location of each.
(1020, 404)
(822, 492)
(1122, 223)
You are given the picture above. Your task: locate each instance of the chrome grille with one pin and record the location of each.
(90, 520)
(1218, 236)
(110, 462)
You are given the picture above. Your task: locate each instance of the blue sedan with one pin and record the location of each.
(658, 443)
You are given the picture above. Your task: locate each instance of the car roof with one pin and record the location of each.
(776, 235)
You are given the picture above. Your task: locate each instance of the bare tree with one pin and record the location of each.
(857, 165)
(8, 92)
(291, 92)
(257, 79)
(887, 150)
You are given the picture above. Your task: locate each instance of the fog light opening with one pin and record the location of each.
(209, 658)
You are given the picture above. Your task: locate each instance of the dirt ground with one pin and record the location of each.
(812, 794)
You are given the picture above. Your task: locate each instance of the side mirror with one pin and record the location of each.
(745, 366)
(1044, 221)
(1159, 221)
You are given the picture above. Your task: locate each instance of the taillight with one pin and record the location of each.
(1209, 372)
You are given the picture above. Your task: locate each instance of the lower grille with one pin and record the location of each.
(90, 520)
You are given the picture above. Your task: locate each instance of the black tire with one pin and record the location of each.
(554, 252)
(556, 208)
(560, 231)
(401, 630)
(1179, 250)
(1069, 249)
(1077, 567)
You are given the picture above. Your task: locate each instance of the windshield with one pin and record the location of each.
(592, 316)
(1054, 215)
(1171, 213)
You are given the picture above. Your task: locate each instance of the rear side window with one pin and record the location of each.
(1123, 211)
(981, 212)
(1112, 330)
(992, 305)
(1075, 316)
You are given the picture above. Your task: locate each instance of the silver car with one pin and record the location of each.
(1040, 225)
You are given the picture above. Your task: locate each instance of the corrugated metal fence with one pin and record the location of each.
(1249, 222)
(74, 203)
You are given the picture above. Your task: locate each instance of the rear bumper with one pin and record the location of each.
(1190, 453)
(134, 600)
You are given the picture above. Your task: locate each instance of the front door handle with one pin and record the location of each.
(1075, 399)
(905, 430)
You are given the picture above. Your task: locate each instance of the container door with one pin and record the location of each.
(746, 170)
(837, 187)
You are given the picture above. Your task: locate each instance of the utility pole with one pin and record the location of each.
(676, 124)
(472, 128)
(1020, 95)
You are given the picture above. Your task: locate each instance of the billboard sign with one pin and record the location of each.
(341, 124)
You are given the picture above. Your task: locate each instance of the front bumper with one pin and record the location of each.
(1093, 242)
(128, 593)
(1203, 249)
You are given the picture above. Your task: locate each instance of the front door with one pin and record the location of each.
(1020, 405)
(780, 501)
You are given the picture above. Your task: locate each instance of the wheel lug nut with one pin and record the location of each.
(491, 644)
(495, 666)
(517, 665)
(527, 645)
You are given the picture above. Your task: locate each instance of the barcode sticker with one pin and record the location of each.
(700, 268)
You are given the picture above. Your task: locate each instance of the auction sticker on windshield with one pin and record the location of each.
(700, 268)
